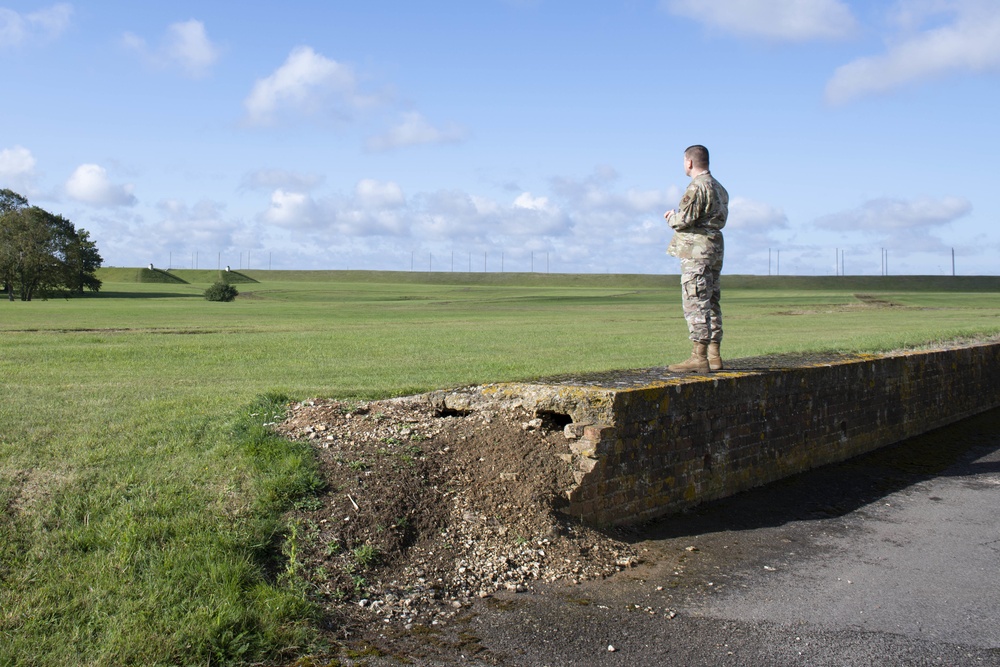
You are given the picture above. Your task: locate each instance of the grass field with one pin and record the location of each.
(142, 501)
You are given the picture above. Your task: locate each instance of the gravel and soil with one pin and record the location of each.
(425, 512)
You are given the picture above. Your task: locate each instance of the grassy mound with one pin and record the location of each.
(158, 276)
(235, 278)
(213, 276)
(134, 275)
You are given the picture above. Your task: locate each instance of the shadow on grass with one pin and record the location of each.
(140, 295)
(841, 488)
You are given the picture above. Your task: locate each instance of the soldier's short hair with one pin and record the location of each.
(698, 154)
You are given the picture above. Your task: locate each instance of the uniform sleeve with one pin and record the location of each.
(693, 207)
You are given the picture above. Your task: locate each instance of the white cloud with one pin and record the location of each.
(581, 224)
(356, 222)
(782, 20)
(272, 179)
(294, 210)
(194, 234)
(969, 43)
(575, 188)
(414, 130)
(595, 192)
(747, 214)
(17, 29)
(188, 45)
(17, 167)
(203, 225)
(452, 214)
(902, 224)
(529, 202)
(582, 217)
(895, 215)
(533, 216)
(378, 208)
(645, 200)
(307, 84)
(374, 209)
(185, 45)
(372, 194)
(90, 184)
(752, 225)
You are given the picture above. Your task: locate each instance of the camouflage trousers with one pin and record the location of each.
(701, 292)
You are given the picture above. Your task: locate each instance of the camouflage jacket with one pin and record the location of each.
(699, 219)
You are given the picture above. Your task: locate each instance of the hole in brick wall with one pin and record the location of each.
(708, 461)
(553, 421)
(450, 412)
(843, 427)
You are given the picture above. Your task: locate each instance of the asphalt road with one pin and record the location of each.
(888, 559)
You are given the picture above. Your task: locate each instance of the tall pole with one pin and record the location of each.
(777, 263)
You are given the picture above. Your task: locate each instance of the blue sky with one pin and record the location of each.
(444, 135)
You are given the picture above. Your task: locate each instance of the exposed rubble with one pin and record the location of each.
(427, 509)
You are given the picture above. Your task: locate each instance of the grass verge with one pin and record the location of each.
(158, 566)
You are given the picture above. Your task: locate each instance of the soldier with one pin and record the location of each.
(697, 241)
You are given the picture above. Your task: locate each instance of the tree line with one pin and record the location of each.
(43, 254)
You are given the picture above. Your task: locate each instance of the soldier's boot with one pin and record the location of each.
(714, 356)
(697, 363)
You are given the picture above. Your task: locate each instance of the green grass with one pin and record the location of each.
(143, 496)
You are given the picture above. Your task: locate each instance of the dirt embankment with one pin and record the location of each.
(424, 512)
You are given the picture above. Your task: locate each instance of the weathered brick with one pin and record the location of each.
(755, 428)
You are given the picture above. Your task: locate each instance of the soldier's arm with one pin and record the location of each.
(693, 206)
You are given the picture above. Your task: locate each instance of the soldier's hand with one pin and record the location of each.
(668, 214)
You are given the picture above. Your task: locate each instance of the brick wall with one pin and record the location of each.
(645, 451)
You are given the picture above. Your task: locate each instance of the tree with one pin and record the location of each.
(43, 253)
(81, 262)
(10, 204)
(11, 201)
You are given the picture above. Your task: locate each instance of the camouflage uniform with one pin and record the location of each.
(697, 241)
